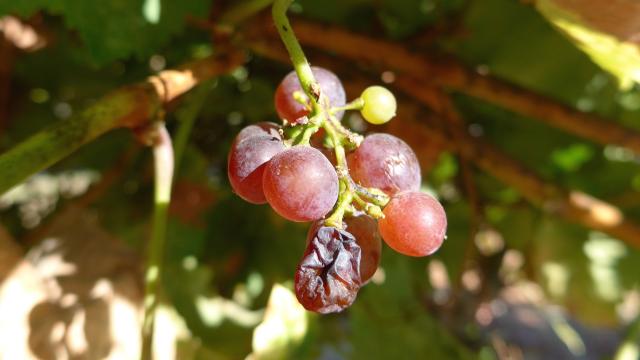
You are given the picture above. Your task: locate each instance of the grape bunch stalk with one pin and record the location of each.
(355, 190)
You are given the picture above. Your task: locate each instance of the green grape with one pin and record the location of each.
(379, 105)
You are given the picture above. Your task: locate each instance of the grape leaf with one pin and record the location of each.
(116, 29)
(392, 310)
(619, 56)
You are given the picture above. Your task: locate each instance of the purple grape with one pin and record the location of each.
(291, 110)
(300, 184)
(385, 162)
(246, 163)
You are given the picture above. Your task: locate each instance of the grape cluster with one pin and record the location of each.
(356, 191)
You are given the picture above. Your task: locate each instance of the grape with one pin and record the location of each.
(379, 105)
(365, 229)
(385, 162)
(264, 128)
(300, 184)
(328, 277)
(246, 163)
(291, 110)
(414, 224)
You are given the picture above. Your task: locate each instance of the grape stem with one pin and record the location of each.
(356, 104)
(299, 61)
(322, 116)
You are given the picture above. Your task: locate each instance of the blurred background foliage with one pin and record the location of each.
(537, 286)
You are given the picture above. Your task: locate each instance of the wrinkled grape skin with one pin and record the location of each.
(328, 277)
(246, 164)
(365, 229)
(300, 184)
(414, 224)
(385, 162)
(291, 110)
(265, 128)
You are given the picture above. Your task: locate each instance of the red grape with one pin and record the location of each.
(328, 276)
(246, 163)
(365, 229)
(385, 162)
(300, 184)
(414, 224)
(291, 110)
(265, 128)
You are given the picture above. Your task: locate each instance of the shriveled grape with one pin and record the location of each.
(300, 184)
(292, 110)
(328, 277)
(385, 162)
(365, 230)
(246, 163)
(414, 224)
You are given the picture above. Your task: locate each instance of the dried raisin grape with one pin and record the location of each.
(328, 276)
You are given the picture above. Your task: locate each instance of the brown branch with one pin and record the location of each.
(571, 205)
(131, 106)
(451, 74)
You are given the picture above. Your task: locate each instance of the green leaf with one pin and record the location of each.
(117, 29)
(23, 7)
(620, 58)
(389, 321)
(572, 157)
(404, 17)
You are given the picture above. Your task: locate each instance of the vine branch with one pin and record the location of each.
(572, 205)
(130, 107)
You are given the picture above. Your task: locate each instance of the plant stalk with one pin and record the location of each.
(164, 166)
(57, 141)
(299, 61)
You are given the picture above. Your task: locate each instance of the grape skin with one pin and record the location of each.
(328, 277)
(385, 162)
(246, 163)
(379, 105)
(365, 229)
(300, 184)
(291, 110)
(265, 128)
(414, 224)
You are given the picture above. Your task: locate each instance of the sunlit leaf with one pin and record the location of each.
(284, 326)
